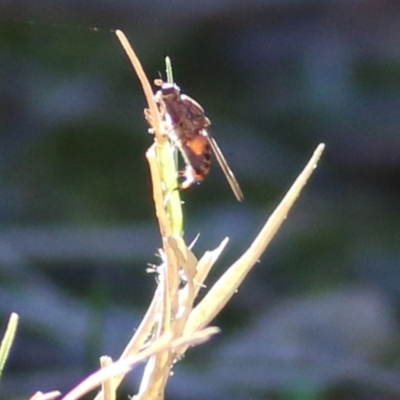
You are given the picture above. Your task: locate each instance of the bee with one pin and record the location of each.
(190, 136)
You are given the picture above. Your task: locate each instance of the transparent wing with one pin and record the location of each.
(225, 168)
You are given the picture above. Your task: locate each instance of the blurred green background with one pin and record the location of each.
(318, 317)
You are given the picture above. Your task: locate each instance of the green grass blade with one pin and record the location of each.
(8, 339)
(168, 159)
(168, 70)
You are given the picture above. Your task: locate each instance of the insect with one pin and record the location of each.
(190, 135)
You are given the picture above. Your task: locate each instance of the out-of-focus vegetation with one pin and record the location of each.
(318, 316)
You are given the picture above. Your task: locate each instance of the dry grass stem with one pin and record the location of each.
(45, 396)
(171, 324)
(148, 92)
(160, 157)
(226, 286)
(107, 386)
(203, 267)
(160, 345)
(139, 338)
(206, 263)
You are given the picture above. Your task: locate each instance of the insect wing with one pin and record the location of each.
(226, 170)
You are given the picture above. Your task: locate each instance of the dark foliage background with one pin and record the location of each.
(318, 317)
